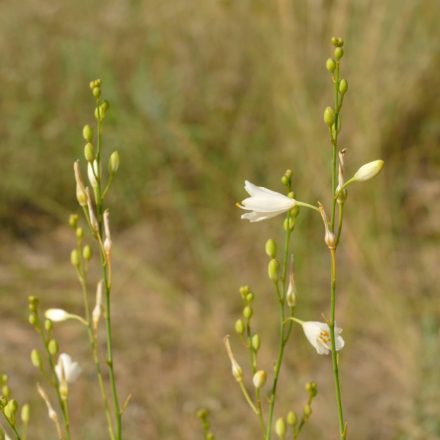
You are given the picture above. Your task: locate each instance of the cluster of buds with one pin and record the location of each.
(10, 409)
(203, 416)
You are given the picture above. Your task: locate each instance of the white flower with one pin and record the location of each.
(67, 370)
(318, 334)
(264, 203)
(57, 315)
(368, 171)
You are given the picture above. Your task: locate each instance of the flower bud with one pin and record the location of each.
(256, 342)
(249, 297)
(74, 258)
(96, 91)
(280, 428)
(259, 379)
(87, 252)
(97, 310)
(343, 86)
(330, 65)
(329, 116)
(307, 411)
(239, 326)
(312, 389)
(33, 319)
(79, 233)
(88, 133)
(244, 290)
(89, 152)
(339, 53)
(105, 105)
(10, 411)
(6, 391)
(273, 269)
(56, 315)
(271, 248)
(113, 164)
(248, 312)
(26, 414)
(48, 325)
(291, 418)
(52, 347)
(73, 221)
(368, 171)
(291, 292)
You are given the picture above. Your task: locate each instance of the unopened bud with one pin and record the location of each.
(291, 418)
(249, 297)
(105, 105)
(6, 391)
(256, 342)
(271, 248)
(343, 86)
(36, 358)
(248, 312)
(26, 414)
(239, 326)
(330, 65)
(56, 315)
(339, 53)
(52, 347)
(114, 161)
(273, 269)
(280, 428)
(10, 411)
(96, 91)
(312, 389)
(244, 290)
(368, 171)
(48, 325)
(97, 311)
(87, 252)
(74, 258)
(73, 221)
(107, 240)
(291, 291)
(33, 319)
(259, 379)
(89, 152)
(88, 133)
(79, 233)
(329, 116)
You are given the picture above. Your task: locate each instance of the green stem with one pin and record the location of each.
(335, 365)
(341, 219)
(12, 426)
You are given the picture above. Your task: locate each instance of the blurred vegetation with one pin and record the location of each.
(203, 95)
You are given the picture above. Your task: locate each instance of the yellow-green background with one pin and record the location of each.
(206, 93)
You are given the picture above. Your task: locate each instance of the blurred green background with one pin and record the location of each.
(203, 95)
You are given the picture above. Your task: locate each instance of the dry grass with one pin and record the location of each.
(206, 93)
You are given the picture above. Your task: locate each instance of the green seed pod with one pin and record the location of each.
(89, 152)
(48, 325)
(96, 92)
(248, 312)
(330, 65)
(307, 411)
(329, 116)
(256, 342)
(74, 258)
(280, 428)
(73, 221)
(239, 326)
(88, 133)
(343, 86)
(113, 164)
(6, 391)
(87, 252)
(52, 346)
(271, 248)
(79, 233)
(26, 414)
(291, 418)
(273, 269)
(339, 53)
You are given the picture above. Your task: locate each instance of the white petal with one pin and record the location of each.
(265, 203)
(259, 216)
(56, 315)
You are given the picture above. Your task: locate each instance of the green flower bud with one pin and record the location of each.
(89, 152)
(247, 312)
(285, 180)
(239, 326)
(96, 92)
(330, 65)
(99, 114)
(307, 411)
(33, 302)
(273, 269)
(343, 86)
(280, 428)
(339, 53)
(312, 389)
(52, 346)
(26, 414)
(113, 164)
(33, 319)
(79, 233)
(291, 418)
(256, 342)
(88, 133)
(6, 391)
(259, 379)
(271, 248)
(10, 410)
(250, 297)
(73, 221)
(87, 252)
(4, 379)
(294, 211)
(329, 116)
(74, 258)
(48, 325)
(105, 105)
(337, 42)
(244, 290)
(202, 413)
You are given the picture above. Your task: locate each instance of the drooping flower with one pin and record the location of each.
(264, 203)
(56, 315)
(318, 334)
(67, 370)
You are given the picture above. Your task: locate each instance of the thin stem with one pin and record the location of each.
(307, 205)
(341, 219)
(247, 397)
(342, 429)
(12, 426)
